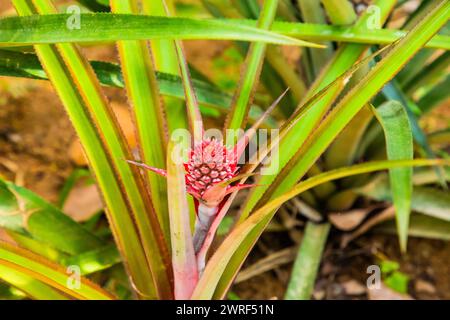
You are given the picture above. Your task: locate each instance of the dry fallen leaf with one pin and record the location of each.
(349, 220)
(353, 287)
(386, 214)
(424, 286)
(319, 294)
(83, 202)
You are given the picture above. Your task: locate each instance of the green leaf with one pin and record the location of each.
(429, 74)
(96, 5)
(340, 12)
(421, 226)
(32, 287)
(36, 246)
(103, 27)
(134, 27)
(24, 212)
(388, 266)
(225, 226)
(165, 56)
(393, 92)
(183, 255)
(194, 117)
(397, 281)
(304, 272)
(151, 125)
(426, 200)
(437, 95)
(277, 74)
(16, 64)
(414, 66)
(145, 218)
(94, 260)
(320, 32)
(306, 265)
(399, 146)
(314, 59)
(250, 75)
(239, 242)
(49, 273)
(342, 152)
(417, 14)
(42, 228)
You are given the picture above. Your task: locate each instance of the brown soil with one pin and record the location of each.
(34, 136)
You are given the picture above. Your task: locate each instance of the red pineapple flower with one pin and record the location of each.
(210, 162)
(210, 169)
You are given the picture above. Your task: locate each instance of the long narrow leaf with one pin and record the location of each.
(183, 255)
(108, 27)
(250, 75)
(435, 96)
(140, 80)
(341, 12)
(342, 151)
(165, 56)
(98, 27)
(193, 111)
(429, 201)
(49, 273)
(423, 227)
(393, 92)
(94, 260)
(314, 59)
(399, 146)
(306, 265)
(429, 74)
(32, 287)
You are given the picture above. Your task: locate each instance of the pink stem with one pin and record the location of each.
(205, 217)
(201, 255)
